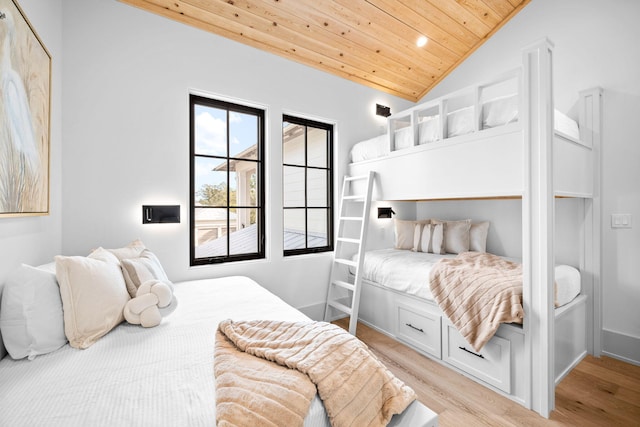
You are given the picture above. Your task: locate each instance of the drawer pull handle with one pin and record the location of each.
(469, 351)
(413, 327)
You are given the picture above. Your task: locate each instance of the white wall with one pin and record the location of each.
(35, 240)
(127, 76)
(595, 45)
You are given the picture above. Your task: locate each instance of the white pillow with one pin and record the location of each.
(93, 295)
(426, 241)
(478, 236)
(437, 239)
(405, 233)
(136, 271)
(456, 235)
(132, 250)
(31, 317)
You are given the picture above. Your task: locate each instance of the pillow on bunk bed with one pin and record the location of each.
(478, 236)
(429, 238)
(404, 233)
(500, 111)
(456, 235)
(460, 122)
(428, 129)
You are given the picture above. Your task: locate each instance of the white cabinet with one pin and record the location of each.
(492, 364)
(419, 328)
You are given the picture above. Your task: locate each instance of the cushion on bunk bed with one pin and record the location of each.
(460, 122)
(500, 111)
(404, 233)
(478, 236)
(428, 129)
(478, 307)
(456, 235)
(403, 138)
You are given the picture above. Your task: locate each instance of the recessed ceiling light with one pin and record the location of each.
(422, 40)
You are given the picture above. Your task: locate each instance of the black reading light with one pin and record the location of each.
(382, 110)
(385, 212)
(156, 214)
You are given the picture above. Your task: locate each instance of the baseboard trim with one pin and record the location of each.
(621, 346)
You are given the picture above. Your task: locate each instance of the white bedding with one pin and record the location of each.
(133, 376)
(408, 272)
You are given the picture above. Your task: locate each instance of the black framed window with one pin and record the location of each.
(227, 181)
(307, 151)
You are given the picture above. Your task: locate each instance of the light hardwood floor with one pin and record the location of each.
(598, 392)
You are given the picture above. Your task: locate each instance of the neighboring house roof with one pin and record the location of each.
(214, 214)
(245, 241)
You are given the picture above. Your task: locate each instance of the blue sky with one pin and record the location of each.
(211, 137)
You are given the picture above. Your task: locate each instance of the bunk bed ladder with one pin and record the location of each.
(344, 294)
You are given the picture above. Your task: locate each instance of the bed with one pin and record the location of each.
(501, 138)
(408, 272)
(161, 375)
(460, 123)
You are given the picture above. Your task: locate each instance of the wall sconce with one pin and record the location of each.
(155, 214)
(382, 110)
(385, 212)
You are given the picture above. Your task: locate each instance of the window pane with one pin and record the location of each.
(294, 229)
(210, 131)
(210, 232)
(316, 188)
(293, 186)
(293, 144)
(317, 147)
(317, 223)
(244, 235)
(243, 183)
(210, 179)
(243, 135)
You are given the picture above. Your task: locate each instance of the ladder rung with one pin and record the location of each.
(351, 218)
(356, 178)
(349, 240)
(345, 285)
(340, 307)
(346, 262)
(354, 197)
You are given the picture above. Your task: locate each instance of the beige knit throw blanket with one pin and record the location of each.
(477, 292)
(251, 390)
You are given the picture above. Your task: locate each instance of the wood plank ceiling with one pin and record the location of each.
(372, 42)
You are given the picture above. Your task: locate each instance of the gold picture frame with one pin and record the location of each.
(25, 108)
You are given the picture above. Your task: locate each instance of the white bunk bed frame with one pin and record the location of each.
(527, 160)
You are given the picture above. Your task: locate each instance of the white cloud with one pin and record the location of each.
(235, 117)
(210, 134)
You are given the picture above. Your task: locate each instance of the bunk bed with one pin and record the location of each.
(498, 139)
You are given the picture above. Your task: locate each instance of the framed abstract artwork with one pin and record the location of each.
(25, 101)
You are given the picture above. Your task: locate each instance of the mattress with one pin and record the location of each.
(133, 376)
(408, 272)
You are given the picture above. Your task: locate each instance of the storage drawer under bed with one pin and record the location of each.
(420, 329)
(492, 364)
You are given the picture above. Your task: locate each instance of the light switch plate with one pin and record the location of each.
(620, 220)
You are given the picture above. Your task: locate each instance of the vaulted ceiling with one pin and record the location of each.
(372, 42)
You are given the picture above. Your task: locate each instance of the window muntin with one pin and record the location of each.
(307, 186)
(227, 176)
